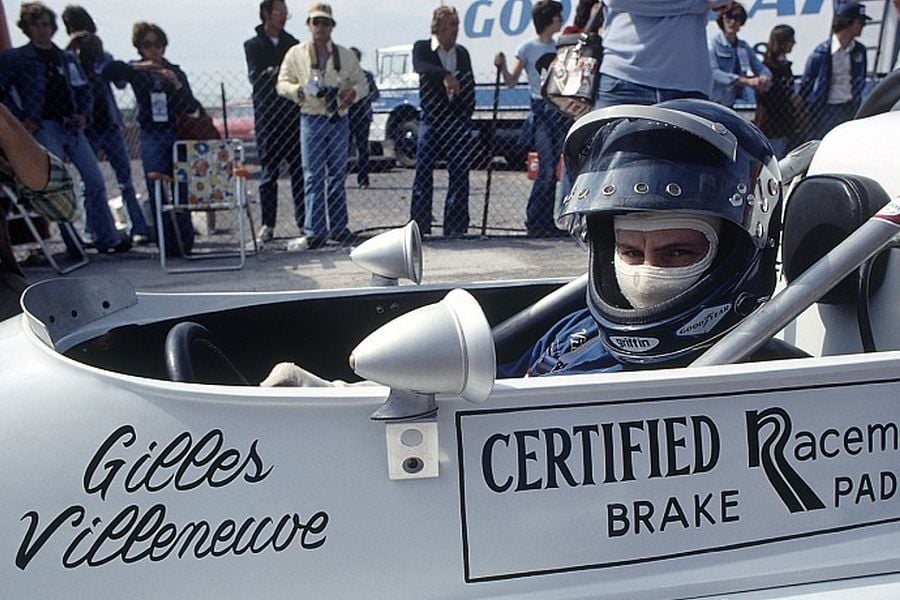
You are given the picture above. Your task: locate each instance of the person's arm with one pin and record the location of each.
(510, 78)
(289, 83)
(809, 76)
(355, 78)
(256, 70)
(720, 76)
(374, 92)
(28, 160)
(422, 64)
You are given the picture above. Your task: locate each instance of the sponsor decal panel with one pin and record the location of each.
(672, 477)
(634, 343)
(125, 465)
(705, 321)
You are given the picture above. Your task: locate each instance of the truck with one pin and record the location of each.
(491, 26)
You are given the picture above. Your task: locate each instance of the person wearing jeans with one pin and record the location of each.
(548, 126)
(325, 172)
(452, 136)
(447, 93)
(105, 129)
(49, 93)
(324, 79)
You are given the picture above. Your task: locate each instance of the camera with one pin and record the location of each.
(315, 88)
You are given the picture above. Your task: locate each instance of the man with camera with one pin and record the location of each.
(47, 90)
(324, 79)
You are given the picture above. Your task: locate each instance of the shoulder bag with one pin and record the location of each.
(571, 81)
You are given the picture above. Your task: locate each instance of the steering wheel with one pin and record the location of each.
(194, 356)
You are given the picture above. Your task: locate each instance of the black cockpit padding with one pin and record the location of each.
(821, 212)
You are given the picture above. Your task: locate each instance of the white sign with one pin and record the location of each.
(591, 486)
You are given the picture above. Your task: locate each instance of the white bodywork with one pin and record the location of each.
(764, 480)
(864, 147)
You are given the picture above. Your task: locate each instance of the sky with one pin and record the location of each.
(206, 36)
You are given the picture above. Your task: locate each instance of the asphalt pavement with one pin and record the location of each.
(277, 269)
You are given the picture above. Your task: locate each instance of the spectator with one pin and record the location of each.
(324, 79)
(780, 112)
(735, 66)
(655, 51)
(161, 91)
(447, 96)
(28, 170)
(104, 129)
(360, 121)
(47, 90)
(277, 119)
(583, 13)
(835, 72)
(548, 125)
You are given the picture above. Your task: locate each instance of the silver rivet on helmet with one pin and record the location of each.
(773, 187)
(641, 188)
(609, 189)
(750, 199)
(742, 188)
(583, 193)
(736, 200)
(720, 129)
(673, 189)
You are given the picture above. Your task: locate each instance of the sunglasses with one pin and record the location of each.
(152, 44)
(734, 17)
(322, 22)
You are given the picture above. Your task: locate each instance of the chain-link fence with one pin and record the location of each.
(487, 177)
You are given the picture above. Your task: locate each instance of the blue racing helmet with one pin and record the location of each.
(681, 157)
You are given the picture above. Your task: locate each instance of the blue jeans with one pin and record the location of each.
(73, 144)
(156, 156)
(324, 144)
(450, 138)
(113, 145)
(359, 134)
(275, 148)
(612, 91)
(550, 129)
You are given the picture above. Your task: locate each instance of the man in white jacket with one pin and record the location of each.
(324, 79)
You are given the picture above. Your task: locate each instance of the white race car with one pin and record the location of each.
(138, 463)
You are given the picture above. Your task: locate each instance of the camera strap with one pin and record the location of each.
(335, 53)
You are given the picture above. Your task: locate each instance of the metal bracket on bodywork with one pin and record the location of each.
(57, 307)
(412, 450)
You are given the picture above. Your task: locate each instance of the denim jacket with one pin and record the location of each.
(817, 75)
(724, 58)
(23, 82)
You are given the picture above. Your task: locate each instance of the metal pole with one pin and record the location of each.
(490, 145)
(773, 316)
(224, 110)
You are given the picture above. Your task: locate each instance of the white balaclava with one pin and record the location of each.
(647, 285)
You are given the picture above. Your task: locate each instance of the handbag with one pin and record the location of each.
(197, 126)
(570, 83)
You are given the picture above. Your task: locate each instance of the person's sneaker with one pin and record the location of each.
(540, 232)
(140, 240)
(345, 236)
(265, 234)
(298, 244)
